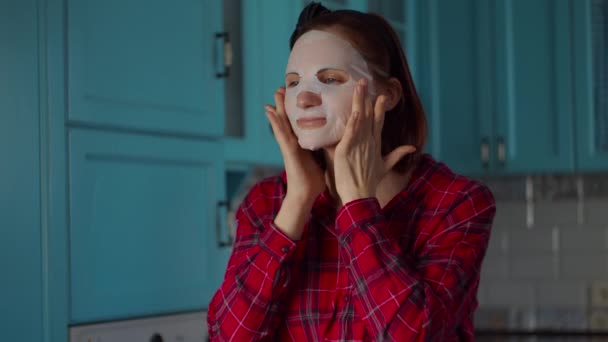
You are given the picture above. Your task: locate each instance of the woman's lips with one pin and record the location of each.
(311, 123)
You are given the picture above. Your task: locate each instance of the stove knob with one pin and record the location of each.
(156, 338)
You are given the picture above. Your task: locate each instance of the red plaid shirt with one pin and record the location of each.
(405, 272)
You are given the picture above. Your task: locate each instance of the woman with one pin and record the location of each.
(362, 237)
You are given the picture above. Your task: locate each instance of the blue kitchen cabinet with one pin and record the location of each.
(590, 51)
(145, 115)
(144, 217)
(496, 81)
(114, 181)
(146, 65)
(451, 61)
(266, 28)
(23, 308)
(533, 104)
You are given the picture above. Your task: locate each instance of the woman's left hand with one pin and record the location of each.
(358, 163)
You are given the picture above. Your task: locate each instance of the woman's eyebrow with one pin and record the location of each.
(331, 69)
(291, 73)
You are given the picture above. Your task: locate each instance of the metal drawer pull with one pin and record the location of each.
(485, 152)
(227, 54)
(501, 150)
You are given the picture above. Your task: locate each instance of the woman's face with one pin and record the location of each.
(321, 75)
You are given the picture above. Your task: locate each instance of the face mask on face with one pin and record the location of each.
(322, 73)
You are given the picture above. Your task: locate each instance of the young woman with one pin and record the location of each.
(363, 237)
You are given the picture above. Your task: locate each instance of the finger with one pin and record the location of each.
(358, 105)
(279, 101)
(396, 155)
(351, 130)
(283, 134)
(379, 116)
(371, 117)
(273, 124)
(279, 110)
(270, 108)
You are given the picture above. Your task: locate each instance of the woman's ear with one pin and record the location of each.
(393, 92)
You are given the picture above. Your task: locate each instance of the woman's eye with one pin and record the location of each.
(292, 84)
(331, 79)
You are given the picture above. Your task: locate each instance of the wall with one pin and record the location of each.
(549, 248)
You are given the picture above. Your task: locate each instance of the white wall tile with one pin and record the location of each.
(552, 213)
(494, 268)
(531, 266)
(584, 239)
(482, 294)
(535, 240)
(499, 242)
(596, 211)
(509, 294)
(510, 214)
(562, 293)
(583, 266)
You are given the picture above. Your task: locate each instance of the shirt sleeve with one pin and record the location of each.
(418, 296)
(245, 306)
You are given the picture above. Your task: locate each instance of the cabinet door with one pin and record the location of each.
(267, 27)
(590, 22)
(453, 91)
(533, 108)
(146, 64)
(143, 218)
(22, 290)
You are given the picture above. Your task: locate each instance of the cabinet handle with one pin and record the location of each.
(227, 54)
(218, 226)
(501, 150)
(485, 152)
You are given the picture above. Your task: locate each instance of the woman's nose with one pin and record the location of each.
(307, 99)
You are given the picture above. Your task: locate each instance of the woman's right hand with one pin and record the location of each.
(306, 180)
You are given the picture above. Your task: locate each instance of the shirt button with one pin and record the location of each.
(345, 299)
(285, 249)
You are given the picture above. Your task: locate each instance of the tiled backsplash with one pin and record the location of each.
(549, 247)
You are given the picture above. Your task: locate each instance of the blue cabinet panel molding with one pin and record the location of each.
(592, 152)
(148, 65)
(21, 235)
(143, 218)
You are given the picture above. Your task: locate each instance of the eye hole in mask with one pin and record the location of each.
(325, 76)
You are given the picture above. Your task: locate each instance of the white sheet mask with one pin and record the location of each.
(315, 51)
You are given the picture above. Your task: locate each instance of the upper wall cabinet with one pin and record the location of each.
(147, 64)
(533, 104)
(590, 49)
(496, 83)
(454, 93)
(265, 31)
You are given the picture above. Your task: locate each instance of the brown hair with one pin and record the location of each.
(379, 45)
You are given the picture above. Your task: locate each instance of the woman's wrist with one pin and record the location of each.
(293, 215)
(355, 195)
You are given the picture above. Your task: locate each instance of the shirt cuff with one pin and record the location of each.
(275, 242)
(356, 214)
